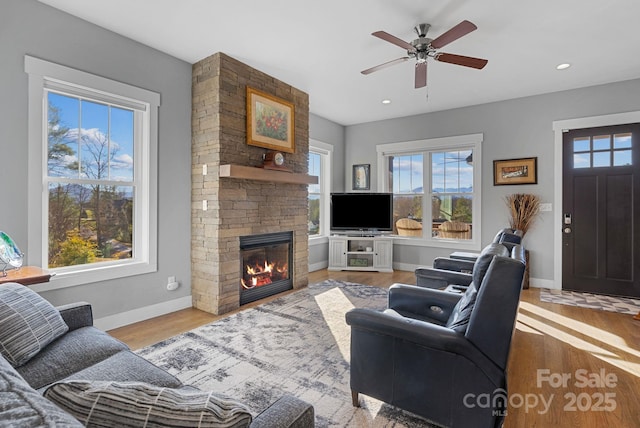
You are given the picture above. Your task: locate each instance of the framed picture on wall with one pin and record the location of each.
(270, 121)
(361, 177)
(515, 171)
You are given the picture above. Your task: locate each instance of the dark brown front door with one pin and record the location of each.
(601, 210)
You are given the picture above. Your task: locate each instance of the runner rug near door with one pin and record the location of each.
(593, 301)
(297, 344)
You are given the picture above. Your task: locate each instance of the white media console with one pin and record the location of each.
(367, 253)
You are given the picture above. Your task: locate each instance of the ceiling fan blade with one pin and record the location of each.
(393, 39)
(465, 61)
(463, 28)
(421, 75)
(385, 65)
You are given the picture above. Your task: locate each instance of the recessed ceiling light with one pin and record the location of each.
(563, 66)
(386, 101)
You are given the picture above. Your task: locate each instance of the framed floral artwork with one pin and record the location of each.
(270, 121)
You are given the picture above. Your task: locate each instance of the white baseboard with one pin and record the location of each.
(407, 267)
(543, 283)
(136, 315)
(318, 266)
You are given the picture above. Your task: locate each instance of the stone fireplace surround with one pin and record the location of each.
(238, 207)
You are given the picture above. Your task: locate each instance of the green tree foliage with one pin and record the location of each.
(462, 210)
(75, 250)
(314, 216)
(407, 206)
(63, 215)
(58, 147)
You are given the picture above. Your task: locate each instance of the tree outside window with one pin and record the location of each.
(450, 175)
(90, 179)
(315, 195)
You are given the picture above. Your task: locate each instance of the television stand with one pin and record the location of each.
(363, 253)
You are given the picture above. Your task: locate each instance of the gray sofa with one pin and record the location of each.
(84, 353)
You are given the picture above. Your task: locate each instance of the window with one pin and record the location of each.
(600, 151)
(319, 165)
(436, 186)
(93, 155)
(407, 185)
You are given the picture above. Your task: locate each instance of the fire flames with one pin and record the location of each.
(259, 274)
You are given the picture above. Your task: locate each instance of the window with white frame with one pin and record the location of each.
(93, 154)
(436, 187)
(319, 166)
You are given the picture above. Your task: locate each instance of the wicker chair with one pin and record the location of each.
(409, 227)
(454, 230)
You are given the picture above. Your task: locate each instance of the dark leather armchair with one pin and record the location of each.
(456, 275)
(507, 237)
(434, 353)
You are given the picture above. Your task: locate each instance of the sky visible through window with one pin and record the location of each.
(408, 174)
(100, 138)
(451, 172)
(598, 151)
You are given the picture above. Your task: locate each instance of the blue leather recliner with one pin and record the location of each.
(455, 271)
(441, 355)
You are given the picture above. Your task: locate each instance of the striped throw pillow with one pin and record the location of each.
(28, 323)
(135, 404)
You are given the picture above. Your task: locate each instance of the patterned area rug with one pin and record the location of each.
(594, 301)
(297, 344)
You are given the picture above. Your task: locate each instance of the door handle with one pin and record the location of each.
(567, 230)
(567, 218)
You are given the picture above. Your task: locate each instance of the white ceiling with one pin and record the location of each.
(321, 46)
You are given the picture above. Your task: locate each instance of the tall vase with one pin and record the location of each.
(525, 279)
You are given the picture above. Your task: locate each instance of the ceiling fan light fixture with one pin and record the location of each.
(563, 66)
(423, 48)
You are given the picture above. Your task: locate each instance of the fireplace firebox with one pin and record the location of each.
(266, 264)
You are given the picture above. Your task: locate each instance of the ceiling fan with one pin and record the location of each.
(423, 48)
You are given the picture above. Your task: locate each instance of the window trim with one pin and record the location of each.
(326, 163)
(44, 75)
(426, 146)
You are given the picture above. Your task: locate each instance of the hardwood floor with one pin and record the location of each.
(597, 353)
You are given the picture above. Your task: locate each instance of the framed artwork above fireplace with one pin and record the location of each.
(270, 121)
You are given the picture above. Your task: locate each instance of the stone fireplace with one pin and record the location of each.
(226, 207)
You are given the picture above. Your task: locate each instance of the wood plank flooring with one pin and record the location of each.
(597, 353)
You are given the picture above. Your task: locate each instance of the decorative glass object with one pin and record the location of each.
(10, 255)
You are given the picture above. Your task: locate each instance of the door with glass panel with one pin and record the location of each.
(601, 210)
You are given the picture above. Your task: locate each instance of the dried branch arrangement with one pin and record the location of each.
(523, 209)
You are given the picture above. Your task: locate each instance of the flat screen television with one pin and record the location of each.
(369, 212)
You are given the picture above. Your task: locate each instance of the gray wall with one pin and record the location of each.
(512, 129)
(328, 132)
(29, 27)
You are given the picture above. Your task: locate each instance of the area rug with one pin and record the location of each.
(297, 344)
(622, 305)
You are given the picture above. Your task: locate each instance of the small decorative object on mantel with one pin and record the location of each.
(523, 210)
(274, 160)
(270, 121)
(515, 171)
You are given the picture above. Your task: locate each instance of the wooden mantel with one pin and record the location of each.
(261, 174)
